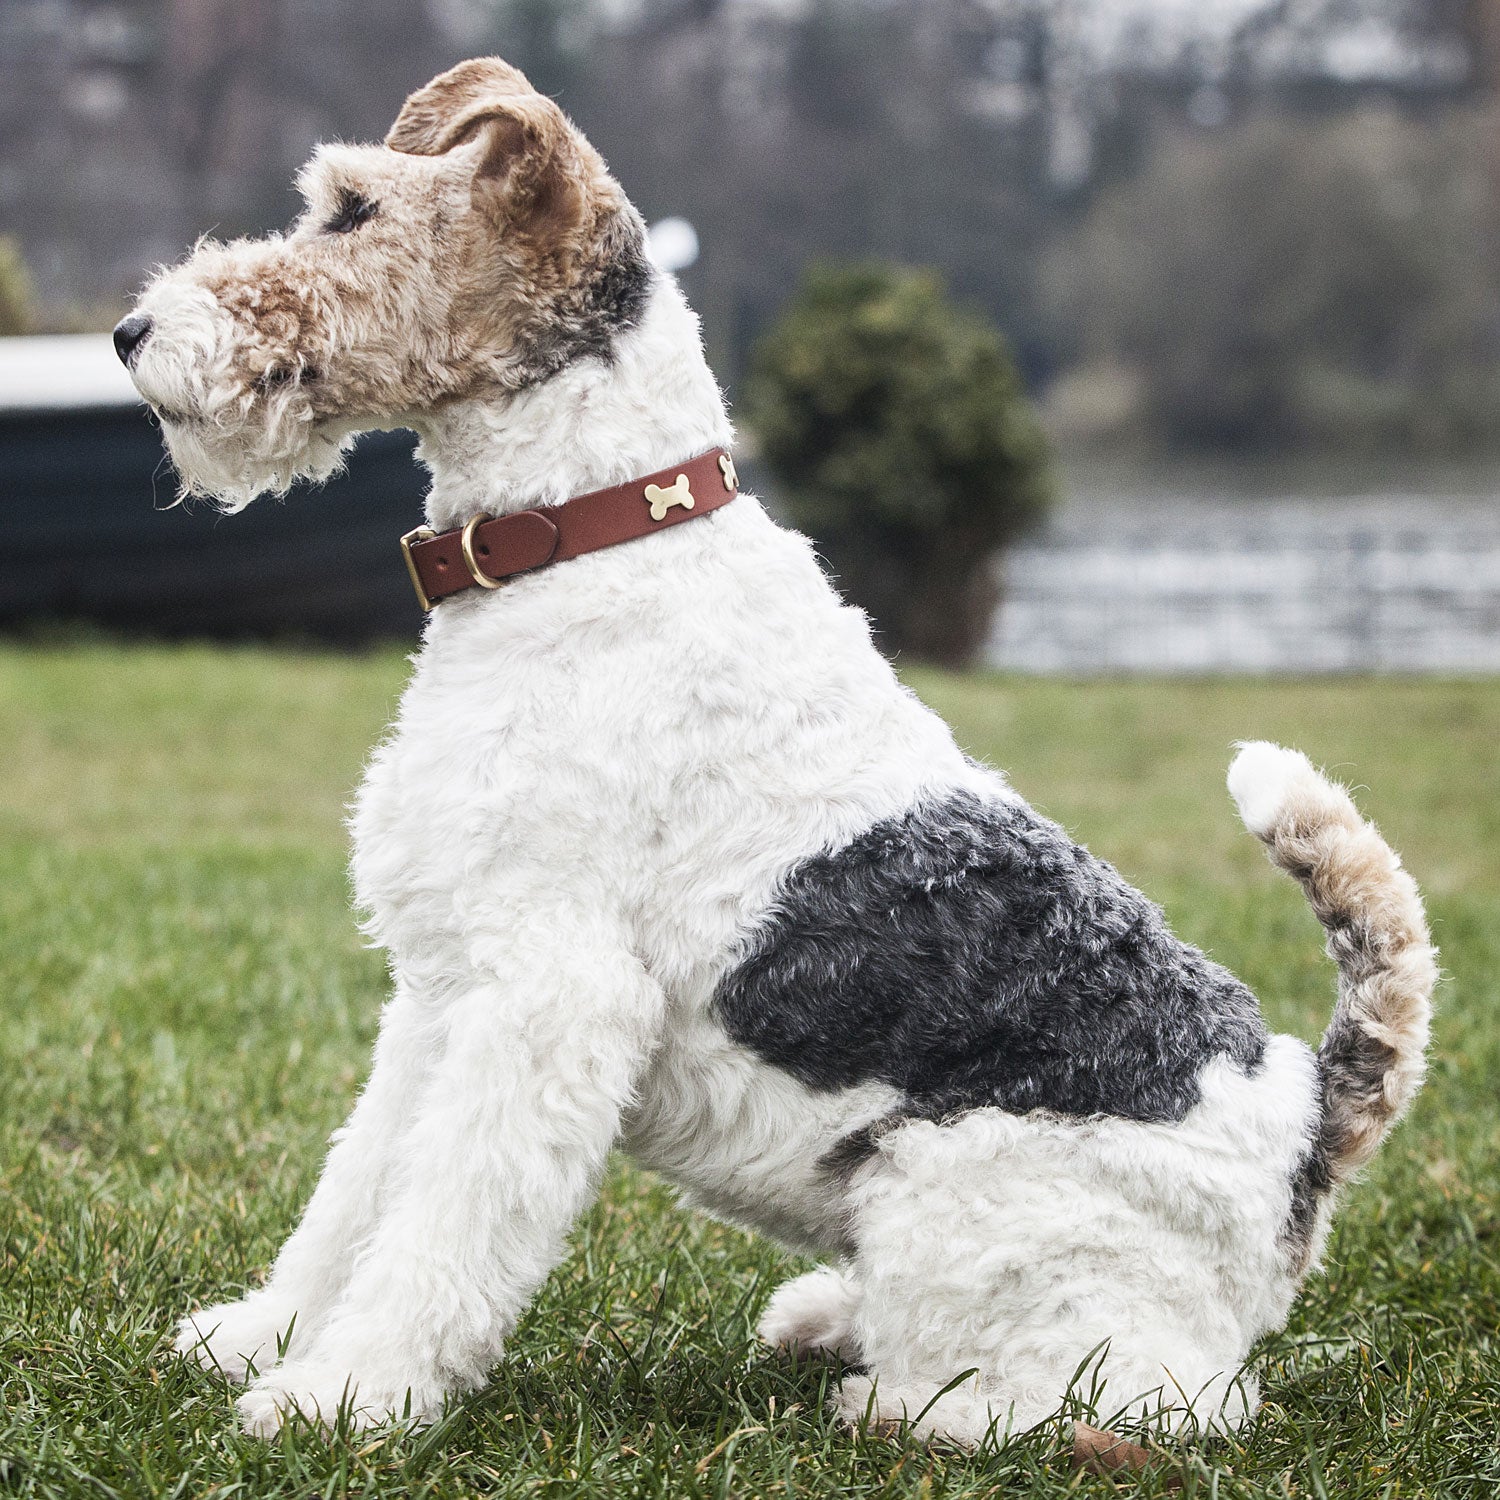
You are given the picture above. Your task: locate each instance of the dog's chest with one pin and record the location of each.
(662, 738)
(508, 776)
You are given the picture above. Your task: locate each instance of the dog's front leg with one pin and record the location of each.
(310, 1273)
(541, 1057)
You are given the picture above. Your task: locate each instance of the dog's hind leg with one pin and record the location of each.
(942, 1259)
(812, 1316)
(313, 1266)
(1015, 1266)
(542, 1055)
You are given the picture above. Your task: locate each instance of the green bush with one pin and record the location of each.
(897, 430)
(15, 289)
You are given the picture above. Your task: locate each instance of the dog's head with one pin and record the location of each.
(482, 248)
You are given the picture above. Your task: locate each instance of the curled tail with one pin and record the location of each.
(1371, 1058)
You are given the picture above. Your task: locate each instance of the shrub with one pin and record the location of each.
(897, 429)
(15, 289)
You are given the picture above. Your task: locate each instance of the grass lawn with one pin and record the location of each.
(186, 1012)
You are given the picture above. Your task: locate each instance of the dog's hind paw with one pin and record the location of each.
(237, 1339)
(812, 1317)
(959, 1415)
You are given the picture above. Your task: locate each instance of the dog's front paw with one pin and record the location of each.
(322, 1393)
(232, 1337)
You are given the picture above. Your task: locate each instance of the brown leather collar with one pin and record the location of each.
(484, 551)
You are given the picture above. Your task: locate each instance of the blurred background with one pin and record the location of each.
(1224, 273)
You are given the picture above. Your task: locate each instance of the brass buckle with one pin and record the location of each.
(466, 546)
(417, 534)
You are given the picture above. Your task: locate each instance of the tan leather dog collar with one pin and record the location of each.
(485, 551)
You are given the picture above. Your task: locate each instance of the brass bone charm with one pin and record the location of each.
(662, 500)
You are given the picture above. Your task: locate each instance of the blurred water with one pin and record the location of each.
(1310, 570)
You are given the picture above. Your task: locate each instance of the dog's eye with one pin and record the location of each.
(353, 210)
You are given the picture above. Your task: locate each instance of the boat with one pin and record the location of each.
(92, 534)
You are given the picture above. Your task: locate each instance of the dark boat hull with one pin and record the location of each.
(87, 537)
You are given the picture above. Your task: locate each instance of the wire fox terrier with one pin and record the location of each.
(665, 858)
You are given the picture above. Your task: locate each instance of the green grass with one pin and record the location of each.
(186, 1011)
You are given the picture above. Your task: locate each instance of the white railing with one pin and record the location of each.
(62, 372)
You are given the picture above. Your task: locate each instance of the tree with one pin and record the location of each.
(897, 429)
(546, 39)
(1314, 282)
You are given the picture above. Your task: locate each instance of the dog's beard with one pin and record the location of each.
(230, 441)
(232, 457)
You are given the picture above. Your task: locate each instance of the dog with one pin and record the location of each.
(665, 858)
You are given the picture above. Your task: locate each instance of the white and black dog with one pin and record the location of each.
(664, 857)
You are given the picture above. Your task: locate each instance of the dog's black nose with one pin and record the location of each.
(130, 333)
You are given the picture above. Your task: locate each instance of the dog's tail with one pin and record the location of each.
(1371, 1057)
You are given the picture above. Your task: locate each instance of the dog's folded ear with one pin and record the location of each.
(530, 165)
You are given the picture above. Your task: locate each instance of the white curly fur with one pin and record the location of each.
(596, 778)
(230, 441)
(1263, 777)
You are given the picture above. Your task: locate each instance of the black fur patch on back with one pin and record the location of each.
(969, 953)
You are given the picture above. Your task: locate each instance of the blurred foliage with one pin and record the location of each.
(545, 39)
(1313, 282)
(16, 296)
(897, 427)
(1193, 228)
